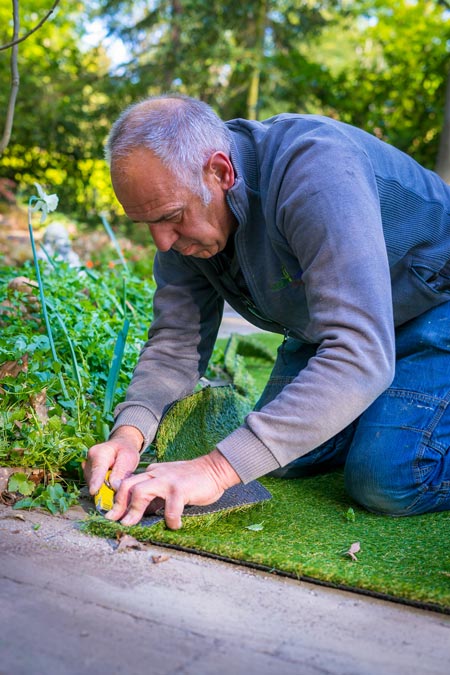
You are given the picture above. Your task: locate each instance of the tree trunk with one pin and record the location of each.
(255, 77)
(14, 80)
(175, 36)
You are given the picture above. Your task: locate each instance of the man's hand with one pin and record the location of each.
(197, 481)
(120, 453)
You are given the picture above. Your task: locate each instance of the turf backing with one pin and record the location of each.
(307, 527)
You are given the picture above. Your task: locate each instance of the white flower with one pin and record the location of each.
(51, 201)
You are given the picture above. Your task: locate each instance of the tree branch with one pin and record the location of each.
(16, 40)
(14, 79)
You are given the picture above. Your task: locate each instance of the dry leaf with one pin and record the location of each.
(8, 498)
(160, 558)
(36, 475)
(13, 368)
(38, 401)
(354, 548)
(127, 541)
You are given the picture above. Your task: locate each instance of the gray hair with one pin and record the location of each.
(182, 132)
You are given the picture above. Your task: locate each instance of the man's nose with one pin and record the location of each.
(163, 240)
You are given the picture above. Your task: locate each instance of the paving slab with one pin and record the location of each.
(72, 604)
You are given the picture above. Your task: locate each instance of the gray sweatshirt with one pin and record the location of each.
(340, 237)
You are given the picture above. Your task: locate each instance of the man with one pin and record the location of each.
(313, 229)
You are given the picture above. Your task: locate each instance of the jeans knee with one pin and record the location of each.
(379, 487)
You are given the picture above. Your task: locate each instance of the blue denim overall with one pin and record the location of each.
(397, 453)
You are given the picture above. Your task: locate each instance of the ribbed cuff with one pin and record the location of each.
(247, 455)
(141, 418)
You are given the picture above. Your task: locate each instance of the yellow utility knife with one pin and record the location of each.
(104, 499)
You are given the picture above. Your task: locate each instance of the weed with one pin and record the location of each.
(53, 498)
(68, 346)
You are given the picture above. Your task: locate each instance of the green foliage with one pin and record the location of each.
(60, 120)
(20, 483)
(53, 498)
(395, 88)
(378, 64)
(92, 315)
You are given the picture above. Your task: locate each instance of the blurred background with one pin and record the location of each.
(382, 65)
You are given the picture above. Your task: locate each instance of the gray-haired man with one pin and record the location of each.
(312, 229)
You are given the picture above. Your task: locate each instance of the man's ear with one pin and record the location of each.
(220, 169)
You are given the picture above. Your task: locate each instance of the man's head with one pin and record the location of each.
(171, 168)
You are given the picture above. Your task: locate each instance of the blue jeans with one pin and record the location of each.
(396, 455)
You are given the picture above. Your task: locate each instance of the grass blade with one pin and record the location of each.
(76, 369)
(44, 304)
(113, 374)
(114, 241)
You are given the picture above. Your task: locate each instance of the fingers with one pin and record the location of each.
(173, 510)
(124, 496)
(100, 458)
(125, 464)
(114, 454)
(136, 493)
(175, 483)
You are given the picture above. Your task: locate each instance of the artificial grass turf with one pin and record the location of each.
(305, 532)
(306, 528)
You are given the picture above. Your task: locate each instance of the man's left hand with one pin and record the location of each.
(199, 481)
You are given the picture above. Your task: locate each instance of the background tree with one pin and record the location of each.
(379, 64)
(60, 123)
(395, 88)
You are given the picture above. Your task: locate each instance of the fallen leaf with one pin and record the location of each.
(350, 515)
(256, 527)
(127, 541)
(38, 401)
(354, 548)
(36, 475)
(160, 558)
(8, 498)
(13, 368)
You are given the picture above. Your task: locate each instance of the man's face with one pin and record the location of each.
(177, 218)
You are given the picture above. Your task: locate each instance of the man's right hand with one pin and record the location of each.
(120, 454)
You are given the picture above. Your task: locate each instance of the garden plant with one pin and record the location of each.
(70, 339)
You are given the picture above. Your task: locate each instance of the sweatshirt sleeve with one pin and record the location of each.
(187, 315)
(326, 208)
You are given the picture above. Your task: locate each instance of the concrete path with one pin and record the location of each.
(71, 604)
(232, 322)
